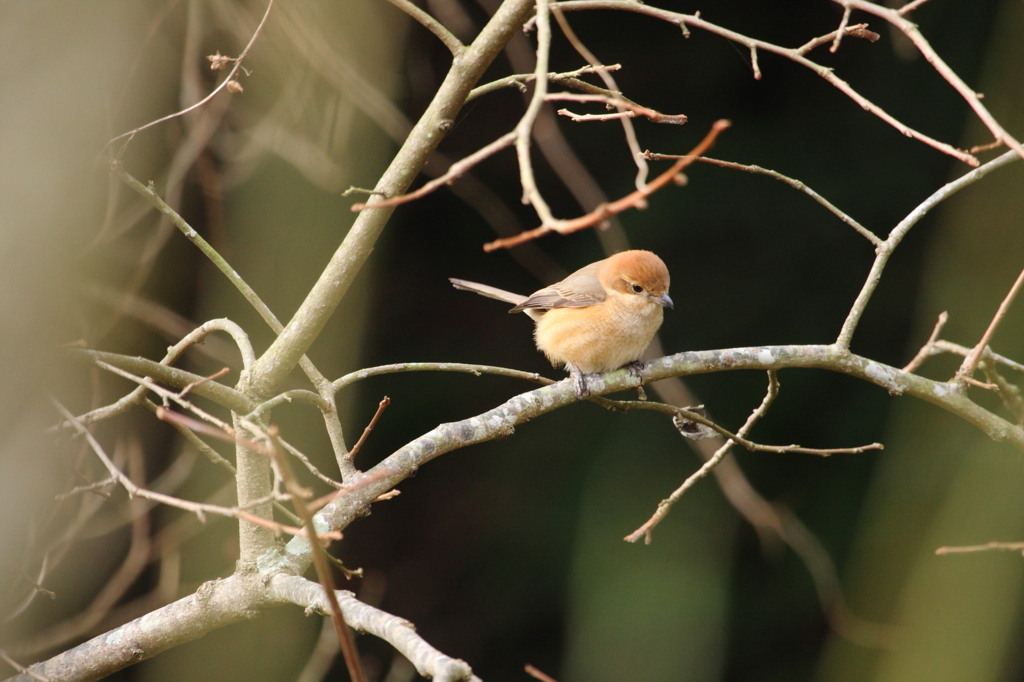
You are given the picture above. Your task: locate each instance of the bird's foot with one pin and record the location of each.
(579, 382)
(636, 370)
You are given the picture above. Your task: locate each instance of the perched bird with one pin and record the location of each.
(599, 318)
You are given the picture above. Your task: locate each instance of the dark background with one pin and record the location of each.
(511, 552)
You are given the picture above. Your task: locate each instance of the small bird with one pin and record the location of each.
(599, 318)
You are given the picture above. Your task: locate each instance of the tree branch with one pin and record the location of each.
(500, 422)
(453, 44)
(885, 250)
(398, 632)
(295, 339)
(794, 54)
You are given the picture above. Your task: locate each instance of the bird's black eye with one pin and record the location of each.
(637, 289)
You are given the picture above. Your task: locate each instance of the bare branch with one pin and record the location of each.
(794, 54)
(911, 6)
(666, 505)
(520, 80)
(22, 669)
(475, 370)
(885, 250)
(369, 427)
(197, 508)
(453, 44)
(950, 347)
(840, 31)
(1005, 546)
(970, 364)
(928, 348)
(501, 421)
(323, 568)
(637, 199)
(217, 61)
(626, 108)
(524, 128)
(796, 184)
(293, 341)
(609, 81)
(909, 29)
(400, 633)
(455, 171)
(538, 674)
(162, 371)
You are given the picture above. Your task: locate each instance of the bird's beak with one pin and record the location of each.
(664, 300)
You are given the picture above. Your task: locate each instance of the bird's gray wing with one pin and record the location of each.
(581, 289)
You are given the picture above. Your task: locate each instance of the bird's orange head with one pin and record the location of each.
(637, 272)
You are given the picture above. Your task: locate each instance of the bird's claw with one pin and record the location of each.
(636, 369)
(579, 383)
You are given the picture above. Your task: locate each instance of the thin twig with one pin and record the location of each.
(1009, 393)
(22, 669)
(840, 31)
(857, 31)
(689, 415)
(927, 350)
(475, 370)
(217, 375)
(885, 250)
(369, 427)
(90, 488)
(323, 568)
(971, 363)
(520, 80)
(583, 118)
(625, 107)
(636, 199)
(627, 125)
(794, 54)
(909, 29)
(666, 505)
(198, 443)
(171, 395)
(230, 78)
(455, 171)
(963, 549)
(796, 184)
(535, 673)
(980, 384)
(524, 128)
(950, 347)
(910, 7)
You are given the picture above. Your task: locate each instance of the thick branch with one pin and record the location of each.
(304, 327)
(398, 632)
(225, 396)
(214, 605)
(501, 421)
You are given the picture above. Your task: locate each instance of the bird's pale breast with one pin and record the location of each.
(599, 338)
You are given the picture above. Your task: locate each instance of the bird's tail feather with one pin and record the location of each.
(489, 292)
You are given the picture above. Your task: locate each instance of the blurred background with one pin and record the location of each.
(511, 552)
